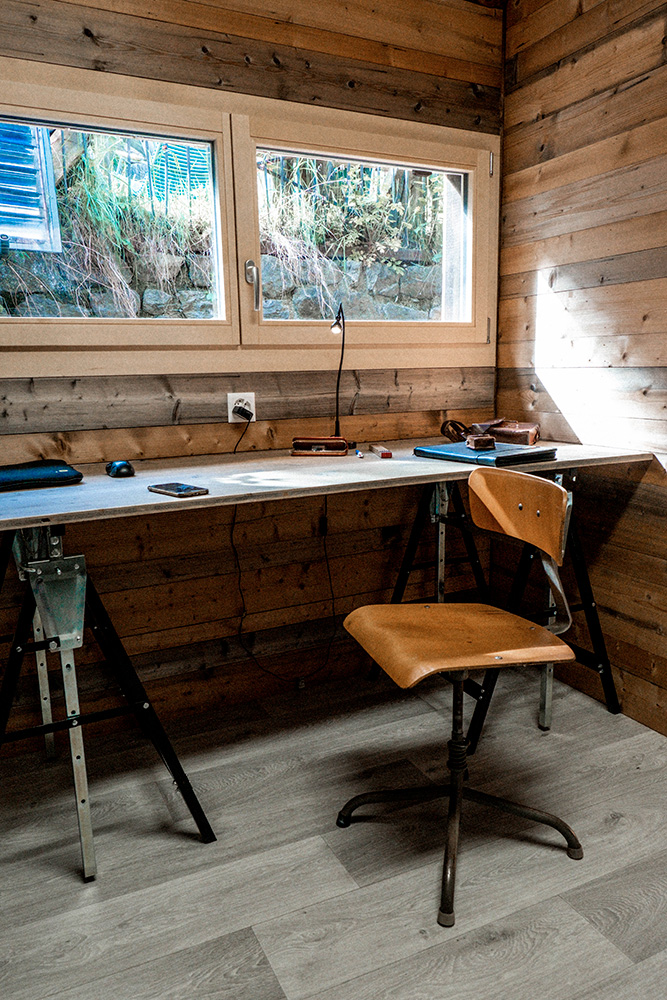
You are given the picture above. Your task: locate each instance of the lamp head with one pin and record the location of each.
(338, 325)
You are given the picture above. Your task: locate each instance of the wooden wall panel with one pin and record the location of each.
(179, 598)
(208, 54)
(53, 404)
(583, 308)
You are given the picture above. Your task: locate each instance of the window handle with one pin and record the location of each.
(252, 277)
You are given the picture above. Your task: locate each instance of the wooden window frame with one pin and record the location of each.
(235, 123)
(290, 134)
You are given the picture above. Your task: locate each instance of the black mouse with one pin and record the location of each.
(120, 468)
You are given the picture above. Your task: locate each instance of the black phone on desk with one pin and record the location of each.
(178, 490)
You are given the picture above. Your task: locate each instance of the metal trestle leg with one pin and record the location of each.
(78, 766)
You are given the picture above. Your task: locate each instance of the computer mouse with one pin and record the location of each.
(120, 468)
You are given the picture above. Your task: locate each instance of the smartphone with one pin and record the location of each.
(178, 490)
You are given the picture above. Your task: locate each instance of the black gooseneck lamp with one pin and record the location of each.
(338, 326)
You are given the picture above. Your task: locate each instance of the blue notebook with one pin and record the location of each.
(502, 454)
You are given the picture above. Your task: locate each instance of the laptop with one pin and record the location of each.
(502, 454)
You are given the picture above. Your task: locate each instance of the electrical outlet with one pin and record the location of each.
(245, 399)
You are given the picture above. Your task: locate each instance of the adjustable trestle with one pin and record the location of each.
(456, 791)
(54, 604)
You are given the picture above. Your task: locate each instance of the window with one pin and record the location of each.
(391, 241)
(331, 214)
(134, 217)
(153, 207)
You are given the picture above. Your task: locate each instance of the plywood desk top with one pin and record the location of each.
(256, 476)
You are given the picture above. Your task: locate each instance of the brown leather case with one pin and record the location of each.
(309, 446)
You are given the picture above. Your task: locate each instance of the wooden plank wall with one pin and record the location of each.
(583, 312)
(433, 61)
(172, 585)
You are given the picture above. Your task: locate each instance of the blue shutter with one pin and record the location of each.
(28, 210)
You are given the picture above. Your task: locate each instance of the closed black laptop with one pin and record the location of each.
(502, 454)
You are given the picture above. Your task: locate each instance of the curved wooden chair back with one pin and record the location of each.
(526, 507)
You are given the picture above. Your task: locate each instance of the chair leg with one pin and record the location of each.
(546, 696)
(457, 763)
(419, 793)
(574, 848)
(457, 790)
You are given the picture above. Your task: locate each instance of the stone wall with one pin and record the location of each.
(313, 289)
(47, 284)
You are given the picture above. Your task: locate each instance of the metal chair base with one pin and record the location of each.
(456, 791)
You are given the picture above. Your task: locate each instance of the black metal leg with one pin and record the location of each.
(600, 660)
(460, 519)
(114, 652)
(574, 848)
(15, 659)
(6, 542)
(419, 793)
(457, 764)
(485, 692)
(480, 710)
(421, 517)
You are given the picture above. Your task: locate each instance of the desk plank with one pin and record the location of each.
(234, 479)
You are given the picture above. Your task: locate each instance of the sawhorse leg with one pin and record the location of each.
(598, 660)
(484, 692)
(50, 572)
(135, 693)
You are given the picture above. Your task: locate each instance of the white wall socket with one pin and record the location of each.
(246, 399)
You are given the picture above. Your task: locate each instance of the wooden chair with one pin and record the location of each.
(414, 641)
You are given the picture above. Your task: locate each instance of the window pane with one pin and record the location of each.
(390, 242)
(136, 215)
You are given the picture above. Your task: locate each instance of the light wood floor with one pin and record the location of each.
(285, 905)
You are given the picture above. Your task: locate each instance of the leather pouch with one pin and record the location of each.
(509, 431)
(481, 442)
(45, 472)
(329, 446)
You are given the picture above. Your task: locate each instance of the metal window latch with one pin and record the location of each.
(252, 277)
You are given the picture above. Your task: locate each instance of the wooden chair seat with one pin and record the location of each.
(414, 641)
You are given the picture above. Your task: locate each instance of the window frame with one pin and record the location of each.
(288, 134)
(159, 120)
(75, 347)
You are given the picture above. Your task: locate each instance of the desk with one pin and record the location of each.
(249, 477)
(230, 479)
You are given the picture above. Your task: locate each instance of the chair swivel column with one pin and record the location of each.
(457, 763)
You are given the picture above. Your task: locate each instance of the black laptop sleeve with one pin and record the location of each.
(45, 472)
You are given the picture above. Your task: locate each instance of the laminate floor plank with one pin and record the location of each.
(232, 967)
(78, 947)
(629, 907)
(253, 800)
(543, 951)
(138, 843)
(645, 981)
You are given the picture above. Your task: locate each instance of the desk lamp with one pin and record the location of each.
(335, 445)
(338, 326)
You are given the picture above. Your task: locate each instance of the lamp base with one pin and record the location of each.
(329, 446)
